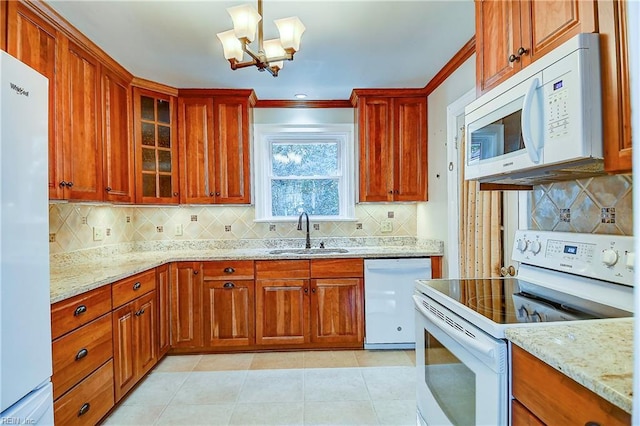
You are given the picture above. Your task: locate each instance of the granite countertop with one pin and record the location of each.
(76, 273)
(598, 354)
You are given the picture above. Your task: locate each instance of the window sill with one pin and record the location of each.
(311, 219)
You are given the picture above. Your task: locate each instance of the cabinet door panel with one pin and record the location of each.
(186, 305)
(118, 149)
(124, 350)
(498, 35)
(282, 311)
(231, 153)
(410, 149)
(336, 310)
(195, 118)
(552, 22)
(34, 42)
(82, 148)
(229, 313)
(164, 306)
(146, 353)
(374, 124)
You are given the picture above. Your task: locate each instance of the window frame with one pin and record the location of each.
(267, 134)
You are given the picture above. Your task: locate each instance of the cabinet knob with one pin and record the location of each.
(229, 285)
(396, 191)
(211, 194)
(69, 184)
(83, 410)
(313, 290)
(81, 354)
(391, 191)
(175, 194)
(217, 194)
(523, 51)
(306, 290)
(137, 286)
(229, 270)
(140, 312)
(108, 189)
(80, 310)
(195, 272)
(62, 184)
(513, 58)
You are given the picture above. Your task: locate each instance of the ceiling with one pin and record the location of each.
(347, 44)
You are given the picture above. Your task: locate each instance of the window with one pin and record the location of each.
(304, 169)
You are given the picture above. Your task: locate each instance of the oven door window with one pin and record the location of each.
(451, 382)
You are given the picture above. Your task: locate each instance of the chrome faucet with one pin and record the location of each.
(308, 244)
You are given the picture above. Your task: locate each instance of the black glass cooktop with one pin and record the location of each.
(500, 300)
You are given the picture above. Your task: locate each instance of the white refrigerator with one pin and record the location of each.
(25, 319)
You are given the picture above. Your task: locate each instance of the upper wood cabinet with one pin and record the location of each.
(214, 129)
(512, 34)
(616, 92)
(34, 41)
(392, 138)
(118, 170)
(156, 148)
(81, 124)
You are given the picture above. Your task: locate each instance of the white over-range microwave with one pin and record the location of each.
(543, 124)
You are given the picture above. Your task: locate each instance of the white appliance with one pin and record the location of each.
(388, 287)
(462, 357)
(543, 124)
(25, 322)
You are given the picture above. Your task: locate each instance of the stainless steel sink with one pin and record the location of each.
(309, 251)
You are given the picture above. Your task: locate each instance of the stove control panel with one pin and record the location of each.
(604, 257)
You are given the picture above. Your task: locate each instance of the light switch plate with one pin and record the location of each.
(386, 226)
(178, 230)
(98, 233)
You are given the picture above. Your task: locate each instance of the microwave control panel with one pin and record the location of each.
(557, 100)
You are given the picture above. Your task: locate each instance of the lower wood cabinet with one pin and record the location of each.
(336, 310)
(544, 395)
(186, 305)
(228, 312)
(282, 311)
(163, 283)
(134, 342)
(87, 402)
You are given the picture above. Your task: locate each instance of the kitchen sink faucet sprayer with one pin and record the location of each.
(308, 243)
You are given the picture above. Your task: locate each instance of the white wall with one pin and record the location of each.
(433, 216)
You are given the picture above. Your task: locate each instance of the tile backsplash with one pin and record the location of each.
(75, 226)
(601, 205)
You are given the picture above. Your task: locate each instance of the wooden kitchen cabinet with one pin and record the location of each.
(82, 357)
(214, 145)
(229, 311)
(81, 124)
(282, 302)
(512, 34)
(337, 304)
(561, 401)
(118, 168)
(392, 137)
(186, 305)
(163, 289)
(134, 342)
(616, 92)
(156, 148)
(34, 41)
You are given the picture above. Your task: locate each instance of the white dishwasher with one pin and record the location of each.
(389, 311)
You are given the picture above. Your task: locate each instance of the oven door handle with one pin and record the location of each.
(484, 349)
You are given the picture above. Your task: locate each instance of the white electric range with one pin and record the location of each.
(461, 352)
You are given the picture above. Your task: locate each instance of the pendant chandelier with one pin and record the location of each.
(272, 53)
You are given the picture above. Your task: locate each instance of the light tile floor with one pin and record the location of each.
(276, 388)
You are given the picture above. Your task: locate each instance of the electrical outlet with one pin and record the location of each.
(98, 233)
(178, 230)
(386, 226)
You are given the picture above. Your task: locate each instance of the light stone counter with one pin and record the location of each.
(598, 354)
(84, 270)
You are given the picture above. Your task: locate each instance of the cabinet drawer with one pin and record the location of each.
(337, 268)
(282, 269)
(89, 401)
(78, 353)
(72, 313)
(557, 399)
(228, 270)
(128, 289)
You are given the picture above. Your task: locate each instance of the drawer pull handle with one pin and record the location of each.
(229, 270)
(80, 310)
(81, 354)
(229, 285)
(592, 424)
(84, 409)
(137, 286)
